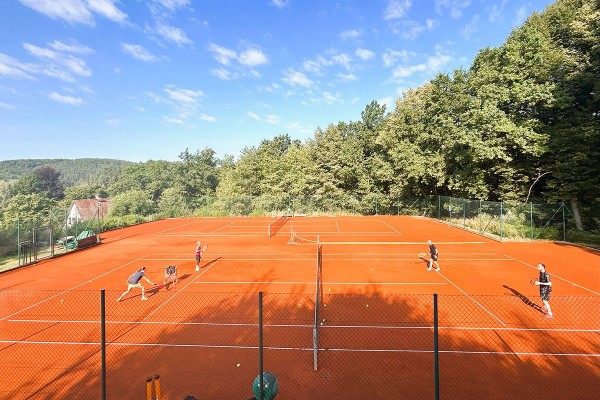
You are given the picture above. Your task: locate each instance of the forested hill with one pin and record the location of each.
(72, 172)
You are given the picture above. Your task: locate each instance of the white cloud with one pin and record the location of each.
(40, 52)
(316, 66)
(364, 54)
(173, 120)
(295, 78)
(12, 68)
(347, 77)
(172, 34)
(471, 27)
(455, 7)
(107, 9)
(77, 66)
(77, 11)
(280, 3)
(62, 66)
(7, 106)
(397, 9)
(386, 101)
(331, 98)
(350, 34)
(252, 57)
(342, 59)
(207, 118)
(253, 116)
(496, 11)
(74, 47)
(272, 119)
(138, 52)
(390, 57)
(173, 4)
(431, 66)
(184, 96)
(408, 29)
(223, 55)
(74, 101)
(521, 15)
(223, 74)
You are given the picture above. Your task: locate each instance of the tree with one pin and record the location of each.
(133, 202)
(29, 209)
(43, 180)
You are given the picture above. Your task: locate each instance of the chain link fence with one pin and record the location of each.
(209, 345)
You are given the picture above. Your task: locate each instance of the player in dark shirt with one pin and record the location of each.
(545, 285)
(433, 256)
(134, 282)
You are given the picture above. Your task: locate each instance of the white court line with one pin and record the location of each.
(175, 294)
(212, 234)
(311, 349)
(218, 229)
(338, 227)
(402, 243)
(391, 227)
(235, 259)
(68, 290)
(475, 301)
(554, 276)
(175, 227)
(324, 283)
(375, 327)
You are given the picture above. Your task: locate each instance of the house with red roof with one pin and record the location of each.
(87, 210)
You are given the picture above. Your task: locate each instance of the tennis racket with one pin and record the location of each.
(533, 281)
(422, 255)
(204, 248)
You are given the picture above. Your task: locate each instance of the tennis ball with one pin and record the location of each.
(238, 365)
(62, 301)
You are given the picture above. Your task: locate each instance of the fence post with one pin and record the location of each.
(103, 342)
(260, 346)
(439, 205)
(436, 371)
(480, 218)
(531, 219)
(564, 225)
(501, 204)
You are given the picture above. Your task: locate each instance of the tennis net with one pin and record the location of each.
(276, 226)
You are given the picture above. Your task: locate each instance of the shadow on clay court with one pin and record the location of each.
(525, 299)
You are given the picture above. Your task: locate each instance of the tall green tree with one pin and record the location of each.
(574, 121)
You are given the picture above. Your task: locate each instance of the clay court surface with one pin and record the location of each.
(374, 314)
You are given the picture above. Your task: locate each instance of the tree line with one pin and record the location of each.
(522, 123)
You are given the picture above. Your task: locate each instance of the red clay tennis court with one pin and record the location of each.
(348, 313)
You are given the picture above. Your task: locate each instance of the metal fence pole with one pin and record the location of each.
(531, 219)
(103, 342)
(436, 370)
(501, 204)
(564, 225)
(260, 346)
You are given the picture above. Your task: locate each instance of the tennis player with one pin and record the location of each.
(545, 285)
(134, 282)
(199, 251)
(433, 256)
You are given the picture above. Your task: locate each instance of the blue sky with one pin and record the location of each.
(144, 80)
